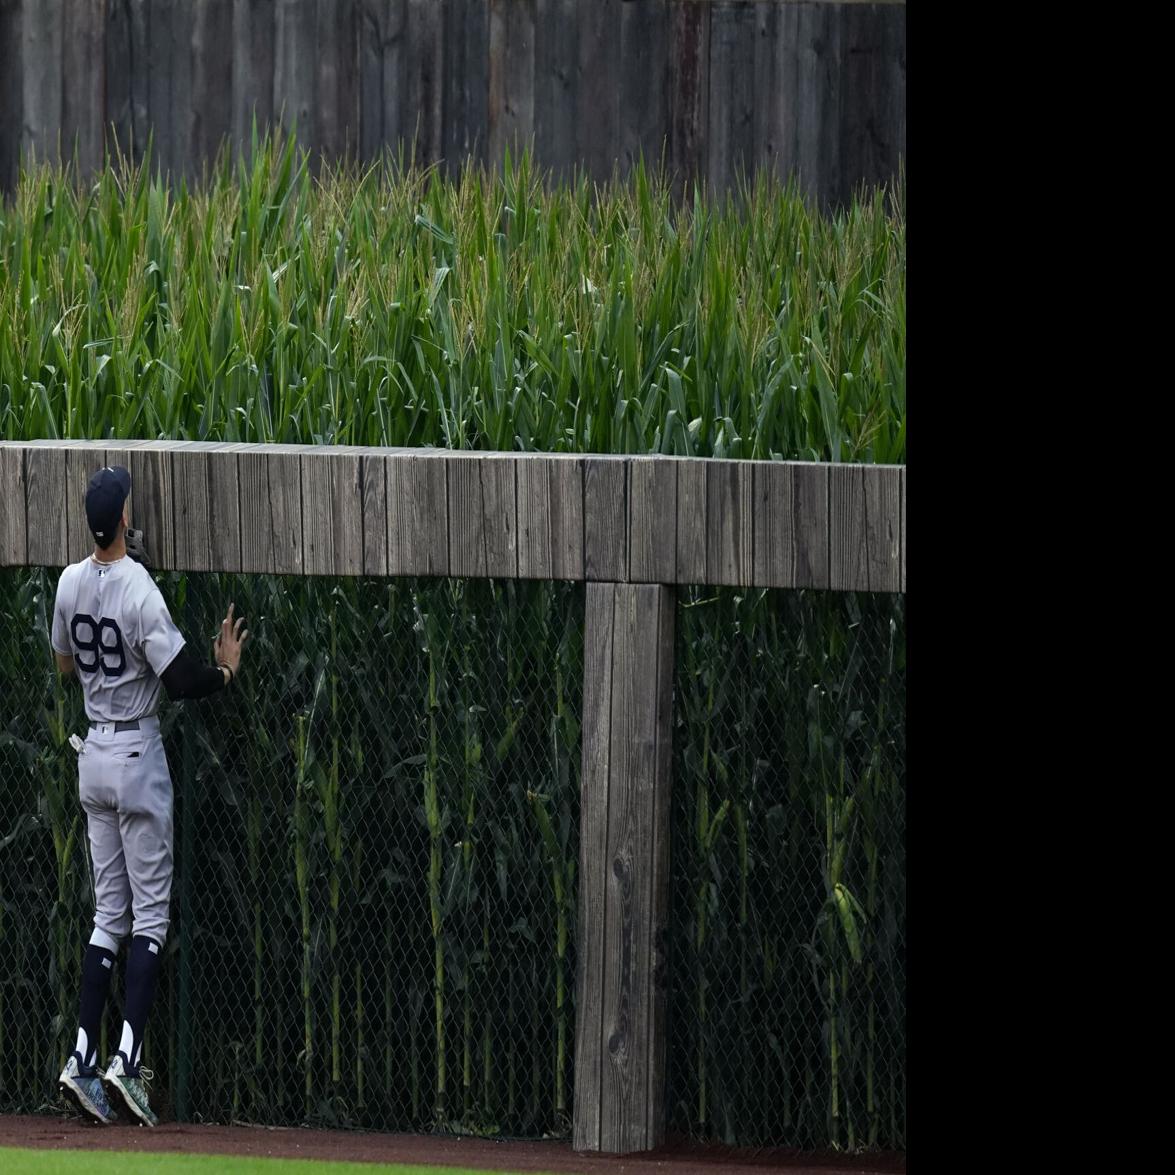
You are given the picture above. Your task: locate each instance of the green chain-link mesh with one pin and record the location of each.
(377, 838)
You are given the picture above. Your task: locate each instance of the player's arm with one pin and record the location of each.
(163, 649)
(185, 677)
(59, 637)
(182, 675)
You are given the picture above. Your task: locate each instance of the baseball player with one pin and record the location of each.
(112, 628)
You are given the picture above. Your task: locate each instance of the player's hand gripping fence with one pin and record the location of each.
(377, 850)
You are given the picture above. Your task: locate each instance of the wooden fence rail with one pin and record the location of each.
(631, 526)
(814, 87)
(337, 510)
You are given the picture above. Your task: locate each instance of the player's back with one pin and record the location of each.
(112, 619)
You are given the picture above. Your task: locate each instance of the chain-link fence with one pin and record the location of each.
(788, 925)
(369, 824)
(377, 838)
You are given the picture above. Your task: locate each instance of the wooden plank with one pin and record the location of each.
(152, 501)
(892, 101)
(500, 517)
(598, 113)
(732, 93)
(772, 134)
(398, 121)
(294, 68)
(371, 79)
(335, 107)
(193, 522)
(81, 463)
(114, 454)
(624, 878)
(271, 510)
(556, 83)
(902, 492)
(161, 78)
(483, 518)
(418, 524)
(467, 544)
(534, 517)
(819, 101)
(883, 528)
(631, 875)
(318, 556)
(424, 70)
(212, 79)
(179, 26)
(774, 534)
(332, 513)
(374, 488)
(119, 54)
(859, 130)
(689, 95)
(349, 20)
(347, 504)
(656, 1095)
(644, 95)
(567, 529)
(864, 517)
(605, 518)
(499, 69)
(11, 93)
(46, 503)
(430, 505)
(224, 507)
(140, 77)
(511, 77)
(84, 82)
(652, 556)
(691, 521)
(13, 521)
(326, 133)
(846, 515)
(847, 553)
(252, 89)
(43, 52)
(809, 21)
(811, 519)
(729, 523)
(621, 889)
(593, 856)
(465, 116)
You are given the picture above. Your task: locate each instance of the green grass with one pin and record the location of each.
(67, 1162)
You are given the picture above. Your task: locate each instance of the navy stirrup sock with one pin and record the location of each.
(97, 969)
(142, 970)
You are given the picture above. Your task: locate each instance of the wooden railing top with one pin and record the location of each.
(351, 510)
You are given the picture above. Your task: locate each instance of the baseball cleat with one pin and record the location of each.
(86, 1092)
(129, 1089)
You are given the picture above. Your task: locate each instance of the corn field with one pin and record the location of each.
(377, 829)
(390, 307)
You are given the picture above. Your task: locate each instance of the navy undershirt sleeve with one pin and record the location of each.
(185, 677)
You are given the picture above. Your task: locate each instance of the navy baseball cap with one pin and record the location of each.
(107, 494)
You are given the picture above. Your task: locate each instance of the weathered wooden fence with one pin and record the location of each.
(631, 526)
(813, 87)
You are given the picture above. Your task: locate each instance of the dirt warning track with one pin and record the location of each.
(59, 1133)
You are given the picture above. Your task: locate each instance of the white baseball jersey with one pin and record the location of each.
(111, 618)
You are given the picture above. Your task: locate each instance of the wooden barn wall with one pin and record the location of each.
(713, 87)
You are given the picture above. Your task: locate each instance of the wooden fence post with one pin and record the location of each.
(624, 868)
